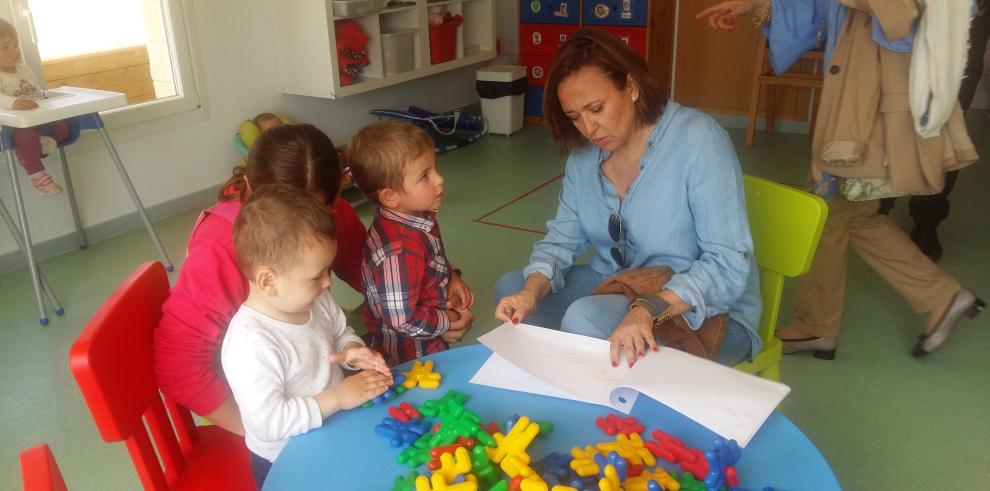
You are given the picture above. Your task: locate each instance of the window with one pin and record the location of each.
(138, 47)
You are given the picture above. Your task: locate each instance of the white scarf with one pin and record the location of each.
(938, 62)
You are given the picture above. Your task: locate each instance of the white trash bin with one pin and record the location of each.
(501, 88)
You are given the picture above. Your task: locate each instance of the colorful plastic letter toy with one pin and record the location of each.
(666, 446)
(516, 442)
(612, 424)
(615, 460)
(689, 483)
(439, 484)
(402, 433)
(610, 481)
(631, 447)
(453, 465)
(483, 469)
(659, 475)
(405, 483)
(584, 461)
(723, 455)
(422, 375)
(731, 477)
(404, 412)
(414, 456)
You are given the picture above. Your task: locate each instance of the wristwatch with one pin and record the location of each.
(656, 306)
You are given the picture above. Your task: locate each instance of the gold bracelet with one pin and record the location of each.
(763, 18)
(658, 317)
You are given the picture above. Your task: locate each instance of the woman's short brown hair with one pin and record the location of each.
(379, 152)
(596, 48)
(298, 155)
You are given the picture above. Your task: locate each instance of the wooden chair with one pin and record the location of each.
(39, 471)
(763, 76)
(786, 224)
(111, 361)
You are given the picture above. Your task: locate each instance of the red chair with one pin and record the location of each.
(111, 361)
(40, 471)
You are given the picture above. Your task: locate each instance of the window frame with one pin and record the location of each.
(180, 30)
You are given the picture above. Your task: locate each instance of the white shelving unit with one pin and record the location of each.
(306, 47)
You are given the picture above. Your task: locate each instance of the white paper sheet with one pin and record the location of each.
(498, 372)
(731, 403)
(576, 364)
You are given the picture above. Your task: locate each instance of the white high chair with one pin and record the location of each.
(81, 108)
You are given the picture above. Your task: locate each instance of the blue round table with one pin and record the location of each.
(346, 454)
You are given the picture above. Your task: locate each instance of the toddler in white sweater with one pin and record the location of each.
(284, 348)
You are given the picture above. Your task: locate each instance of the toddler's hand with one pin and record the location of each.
(24, 104)
(459, 326)
(360, 388)
(364, 358)
(459, 295)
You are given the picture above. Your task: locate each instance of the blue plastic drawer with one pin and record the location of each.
(615, 12)
(533, 105)
(550, 11)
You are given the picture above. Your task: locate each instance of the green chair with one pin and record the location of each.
(786, 224)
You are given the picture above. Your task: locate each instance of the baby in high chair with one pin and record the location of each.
(19, 90)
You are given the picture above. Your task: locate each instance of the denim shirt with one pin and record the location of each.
(685, 209)
(797, 26)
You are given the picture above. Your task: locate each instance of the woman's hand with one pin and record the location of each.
(459, 294)
(515, 308)
(723, 15)
(633, 335)
(362, 357)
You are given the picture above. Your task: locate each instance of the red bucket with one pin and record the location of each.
(443, 40)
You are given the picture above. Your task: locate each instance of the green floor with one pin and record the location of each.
(882, 419)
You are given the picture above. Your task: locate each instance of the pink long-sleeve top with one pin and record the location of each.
(210, 289)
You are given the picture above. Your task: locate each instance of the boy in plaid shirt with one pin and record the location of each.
(416, 302)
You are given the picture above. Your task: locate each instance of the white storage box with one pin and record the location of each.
(399, 51)
(357, 8)
(501, 88)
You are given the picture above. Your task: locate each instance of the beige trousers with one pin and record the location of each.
(819, 295)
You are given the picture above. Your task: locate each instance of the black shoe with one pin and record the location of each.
(965, 302)
(926, 239)
(823, 347)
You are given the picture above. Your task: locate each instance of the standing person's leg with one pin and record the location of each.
(819, 294)
(979, 33)
(930, 211)
(928, 289)
(578, 283)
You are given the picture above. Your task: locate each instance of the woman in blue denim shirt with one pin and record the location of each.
(646, 184)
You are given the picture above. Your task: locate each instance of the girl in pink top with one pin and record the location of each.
(211, 288)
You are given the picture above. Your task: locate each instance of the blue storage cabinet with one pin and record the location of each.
(625, 19)
(550, 11)
(615, 12)
(533, 103)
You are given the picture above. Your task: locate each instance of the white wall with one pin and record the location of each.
(233, 40)
(507, 28)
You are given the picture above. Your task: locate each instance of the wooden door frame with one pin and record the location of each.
(660, 42)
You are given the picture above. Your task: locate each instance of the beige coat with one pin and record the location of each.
(864, 126)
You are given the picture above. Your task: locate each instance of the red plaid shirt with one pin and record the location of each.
(405, 275)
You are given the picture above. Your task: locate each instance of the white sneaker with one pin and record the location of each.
(48, 145)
